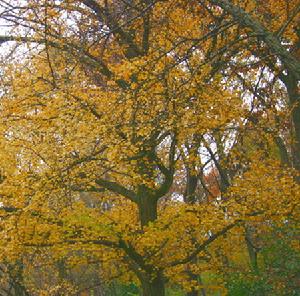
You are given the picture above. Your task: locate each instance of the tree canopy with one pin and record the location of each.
(153, 137)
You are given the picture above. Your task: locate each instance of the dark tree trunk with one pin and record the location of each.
(147, 206)
(294, 98)
(152, 284)
(153, 287)
(192, 293)
(197, 292)
(190, 198)
(252, 251)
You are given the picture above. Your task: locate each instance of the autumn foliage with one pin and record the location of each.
(156, 143)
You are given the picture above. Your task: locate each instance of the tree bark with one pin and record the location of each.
(147, 205)
(252, 251)
(152, 283)
(197, 292)
(190, 198)
(291, 84)
(153, 287)
(192, 293)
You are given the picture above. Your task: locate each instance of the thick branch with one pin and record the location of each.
(202, 247)
(168, 172)
(107, 18)
(9, 209)
(245, 19)
(117, 188)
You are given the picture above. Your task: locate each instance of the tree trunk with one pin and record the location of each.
(196, 292)
(202, 290)
(192, 293)
(294, 98)
(152, 284)
(193, 277)
(251, 250)
(190, 198)
(154, 287)
(147, 206)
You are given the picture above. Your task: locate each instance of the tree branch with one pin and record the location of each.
(117, 188)
(245, 19)
(204, 245)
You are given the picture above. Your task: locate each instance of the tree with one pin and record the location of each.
(122, 99)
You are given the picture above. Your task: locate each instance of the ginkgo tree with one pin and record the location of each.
(124, 99)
